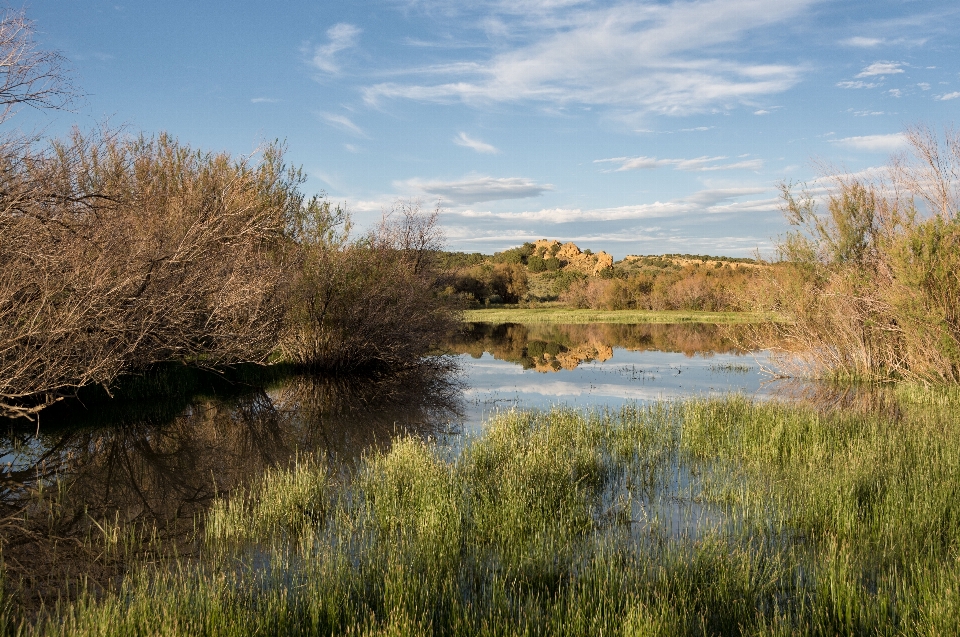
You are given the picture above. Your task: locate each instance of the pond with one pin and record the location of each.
(602, 365)
(154, 464)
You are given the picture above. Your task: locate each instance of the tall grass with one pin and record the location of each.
(706, 517)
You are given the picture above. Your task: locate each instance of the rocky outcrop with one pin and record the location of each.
(571, 257)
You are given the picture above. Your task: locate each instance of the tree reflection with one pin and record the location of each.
(550, 347)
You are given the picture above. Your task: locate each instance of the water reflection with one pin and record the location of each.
(551, 348)
(600, 365)
(149, 470)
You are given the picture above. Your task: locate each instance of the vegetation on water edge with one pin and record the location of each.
(872, 283)
(574, 316)
(705, 517)
(122, 252)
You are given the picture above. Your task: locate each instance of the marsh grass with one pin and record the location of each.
(720, 516)
(572, 316)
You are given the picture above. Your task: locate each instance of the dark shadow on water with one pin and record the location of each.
(152, 465)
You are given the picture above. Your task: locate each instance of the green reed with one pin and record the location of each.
(704, 517)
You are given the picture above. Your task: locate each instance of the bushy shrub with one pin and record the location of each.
(872, 285)
(508, 281)
(369, 303)
(121, 252)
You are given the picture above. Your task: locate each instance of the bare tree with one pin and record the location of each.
(931, 171)
(28, 75)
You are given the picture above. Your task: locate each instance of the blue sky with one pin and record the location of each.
(634, 127)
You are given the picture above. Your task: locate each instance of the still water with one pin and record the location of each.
(158, 462)
(601, 366)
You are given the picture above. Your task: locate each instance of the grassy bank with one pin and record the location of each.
(573, 316)
(705, 517)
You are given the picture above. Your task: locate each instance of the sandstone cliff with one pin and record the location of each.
(571, 257)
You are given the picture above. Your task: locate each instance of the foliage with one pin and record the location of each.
(872, 285)
(368, 303)
(122, 252)
(505, 281)
(661, 284)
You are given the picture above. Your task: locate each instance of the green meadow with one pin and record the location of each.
(700, 517)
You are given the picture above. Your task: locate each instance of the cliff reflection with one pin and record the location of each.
(139, 470)
(550, 348)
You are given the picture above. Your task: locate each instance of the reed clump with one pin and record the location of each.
(871, 286)
(707, 517)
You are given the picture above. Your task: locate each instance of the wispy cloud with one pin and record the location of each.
(874, 143)
(949, 96)
(264, 100)
(475, 144)
(697, 164)
(881, 68)
(871, 43)
(714, 201)
(860, 41)
(342, 122)
(641, 57)
(858, 84)
(339, 37)
(479, 188)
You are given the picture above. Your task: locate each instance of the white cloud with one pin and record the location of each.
(924, 86)
(469, 142)
(949, 96)
(716, 201)
(339, 37)
(862, 42)
(342, 122)
(641, 57)
(869, 43)
(881, 68)
(895, 92)
(761, 112)
(858, 84)
(479, 188)
(264, 100)
(874, 143)
(710, 198)
(698, 164)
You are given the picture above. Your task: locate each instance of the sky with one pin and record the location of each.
(635, 127)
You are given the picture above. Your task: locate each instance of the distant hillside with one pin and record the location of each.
(547, 271)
